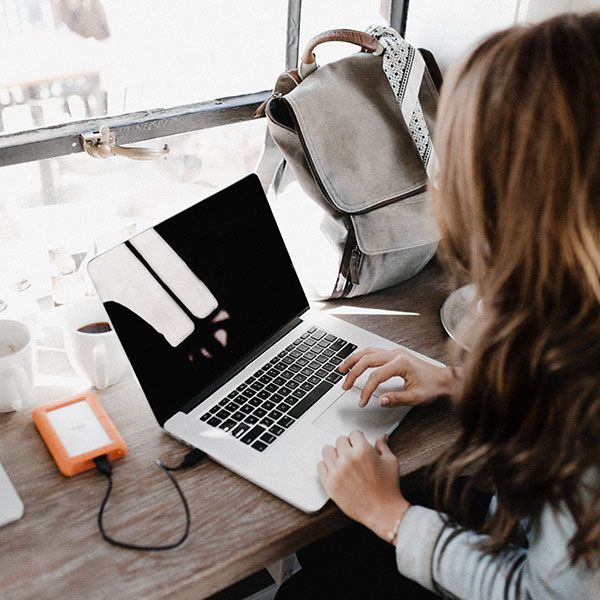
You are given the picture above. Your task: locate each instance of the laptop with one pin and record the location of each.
(231, 358)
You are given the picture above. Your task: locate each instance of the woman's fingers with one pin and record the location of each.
(329, 456)
(358, 439)
(368, 361)
(342, 445)
(351, 360)
(403, 398)
(378, 376)
(322, 471)
(382, 447)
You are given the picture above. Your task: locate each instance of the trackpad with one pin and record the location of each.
(345, 416)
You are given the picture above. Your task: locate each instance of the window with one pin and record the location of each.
(183, 72)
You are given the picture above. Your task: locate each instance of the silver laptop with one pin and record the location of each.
(232, 360)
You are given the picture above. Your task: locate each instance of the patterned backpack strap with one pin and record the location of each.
(404, 67)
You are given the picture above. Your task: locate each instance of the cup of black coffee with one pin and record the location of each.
(97, 327)
(93, 348)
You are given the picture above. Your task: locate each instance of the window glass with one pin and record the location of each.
(321, 15)
(449, 29)
(56, 212)
(65, 60)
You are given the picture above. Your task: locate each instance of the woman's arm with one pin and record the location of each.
(448, 560)
(363, 481)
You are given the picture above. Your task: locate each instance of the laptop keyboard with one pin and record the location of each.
(262, 408)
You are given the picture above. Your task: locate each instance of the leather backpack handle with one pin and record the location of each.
(366, 41)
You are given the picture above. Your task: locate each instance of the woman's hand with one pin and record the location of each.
(423, 382)
(363, 481)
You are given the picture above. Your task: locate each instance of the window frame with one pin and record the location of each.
(64, 139)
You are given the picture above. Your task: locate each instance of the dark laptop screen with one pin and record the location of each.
(194, 295)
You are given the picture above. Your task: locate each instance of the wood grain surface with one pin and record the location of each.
(55, 550)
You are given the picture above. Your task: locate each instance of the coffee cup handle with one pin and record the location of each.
(100, 371)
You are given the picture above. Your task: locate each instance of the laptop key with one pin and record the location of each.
(248, 393)
(264, 379)
(260, 412)
(313, 379)
(317, 335)
(263, 394)
(232, 406)
(307, 371)
(295, 354)
(310, 341)
(279, 381)
(347, 350)
(306, 386)
(323, 344)
(232, 395)
(312, 329)
(251, 419)
(240, 430)
(205, 417)
(285, 391)
(267, 422)
(214, 409)
(287, 374)
(299, 378)
(285, 407)
(272, 372)
(246, 409)
(276, 430)
(321, 374)
(275, 414)
(223, 414)
(330, 338)
(310, 355)
(256, 387)
(285, 421)
(297, 342)
(289, 348)
(254, 402)
(277, 398)
(268, 405)
(288, 360)
(312, 397)
(328, 353)
(241, 387)
(334, 377)
(322, 359)
(238, 416)
(292, 384)
(214, 421)
(260, 446)
(253, 434)
(337, 345)
(224, 402)
(304, 335)
(302, 362)
(269, 438)
(227, 425)
(271, 388)
(293, 399)
(295, 368)
(302, 348)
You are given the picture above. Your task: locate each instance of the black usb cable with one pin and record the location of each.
(105, 468)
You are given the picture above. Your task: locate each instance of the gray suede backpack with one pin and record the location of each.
(341, 130)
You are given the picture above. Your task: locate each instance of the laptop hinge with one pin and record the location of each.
(242, 363)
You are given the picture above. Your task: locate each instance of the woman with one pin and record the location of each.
(518, 204)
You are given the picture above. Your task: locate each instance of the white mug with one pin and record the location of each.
(16, 365)
(98, 357)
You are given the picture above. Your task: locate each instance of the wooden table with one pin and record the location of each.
(55, 550)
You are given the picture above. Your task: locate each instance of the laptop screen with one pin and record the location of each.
(191, 297)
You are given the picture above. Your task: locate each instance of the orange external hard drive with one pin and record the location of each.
(77, 430)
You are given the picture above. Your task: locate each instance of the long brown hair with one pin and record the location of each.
(518, 205)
